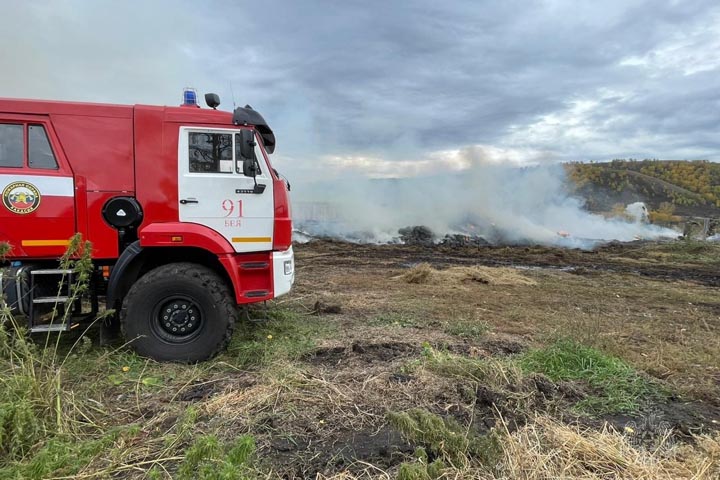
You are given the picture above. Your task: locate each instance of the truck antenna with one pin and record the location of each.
(232, 92)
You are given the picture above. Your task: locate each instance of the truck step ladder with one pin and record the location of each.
(59, 297)
(54, 327)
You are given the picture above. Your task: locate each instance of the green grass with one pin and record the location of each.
(616, 386)
(5, 249)
(44, 427)
(421, 468)
(50, 425)
(210, 459)
(469, 330)
(64, 455)
(284, 336)
(67, 406)
(446, 439)
(101, 368)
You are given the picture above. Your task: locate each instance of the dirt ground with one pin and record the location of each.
(325, 378)
(655, 306)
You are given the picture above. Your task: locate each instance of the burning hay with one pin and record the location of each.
(418, 235)
(425, 274)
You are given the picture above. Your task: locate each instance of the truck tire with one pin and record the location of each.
(181, 312)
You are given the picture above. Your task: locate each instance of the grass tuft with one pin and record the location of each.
(492, 372)
(446, 439)
(5, 249)
(467, 329)
(421, 468)
(209, 459)
(45, 430)
(394, 319)
(285, 335)
(618, 388)
(64, 455)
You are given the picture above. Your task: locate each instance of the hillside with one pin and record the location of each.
(685, 188)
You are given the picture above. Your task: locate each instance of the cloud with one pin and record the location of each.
(120, 52)
(384, 88)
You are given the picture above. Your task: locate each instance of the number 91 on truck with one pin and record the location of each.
(186, 216)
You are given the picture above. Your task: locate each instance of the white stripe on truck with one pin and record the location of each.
(46, 184)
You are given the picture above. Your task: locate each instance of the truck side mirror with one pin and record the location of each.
(246, 152)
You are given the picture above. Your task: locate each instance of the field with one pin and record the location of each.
(404, 362)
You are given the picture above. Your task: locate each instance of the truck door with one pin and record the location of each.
(37, 215)
(213, 191)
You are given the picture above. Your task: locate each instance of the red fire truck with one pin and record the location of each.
(187, 218)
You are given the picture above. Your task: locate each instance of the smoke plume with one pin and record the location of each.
(502, 204)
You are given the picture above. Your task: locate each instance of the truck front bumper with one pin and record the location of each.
(283, 271)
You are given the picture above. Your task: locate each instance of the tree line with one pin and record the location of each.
(698, 180)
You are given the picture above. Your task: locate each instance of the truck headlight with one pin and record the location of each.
(288, 265)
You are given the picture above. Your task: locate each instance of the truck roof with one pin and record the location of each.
(56, 107)
(45, 107)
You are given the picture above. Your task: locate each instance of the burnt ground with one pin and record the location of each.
(370, 330)
(653, 305)
(614, 257)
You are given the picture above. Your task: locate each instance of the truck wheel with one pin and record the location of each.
(179, 312)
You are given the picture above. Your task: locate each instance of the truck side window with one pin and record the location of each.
(40, 154)
(210, 152)
(11, 145)
(258, 159)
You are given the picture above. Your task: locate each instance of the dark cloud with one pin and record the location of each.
(582, 79)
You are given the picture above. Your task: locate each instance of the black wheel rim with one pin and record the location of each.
(177, 319)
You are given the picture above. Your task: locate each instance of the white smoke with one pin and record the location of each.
(500, 203)
(638, 212)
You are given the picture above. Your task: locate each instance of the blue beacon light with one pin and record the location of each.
(190, 97)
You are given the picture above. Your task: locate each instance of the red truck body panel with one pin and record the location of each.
(104, 151)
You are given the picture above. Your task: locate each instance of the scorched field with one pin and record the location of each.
(395, 361)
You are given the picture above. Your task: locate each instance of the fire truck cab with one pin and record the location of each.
(185, 214)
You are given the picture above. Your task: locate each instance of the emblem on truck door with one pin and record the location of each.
(21, 197)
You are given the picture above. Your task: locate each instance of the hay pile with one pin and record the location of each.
(418, 274)
(425, 274)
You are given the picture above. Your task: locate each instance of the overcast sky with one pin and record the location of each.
(394, 88)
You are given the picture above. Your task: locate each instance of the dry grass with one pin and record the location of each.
(425, 274)
(668, 328)
(419, 274)
(442, 338)
(548, 449)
